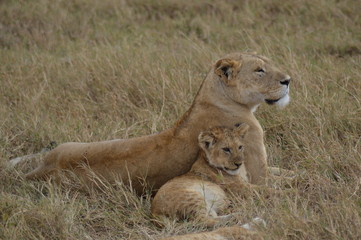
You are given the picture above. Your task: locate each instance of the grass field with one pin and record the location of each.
(88, 70)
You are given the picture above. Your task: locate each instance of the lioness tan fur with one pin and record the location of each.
(205, 190)
(232, 90)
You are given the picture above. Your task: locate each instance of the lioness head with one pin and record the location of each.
(251, 79)
(224, 147)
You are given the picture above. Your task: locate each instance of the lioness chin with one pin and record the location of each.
(232, 90)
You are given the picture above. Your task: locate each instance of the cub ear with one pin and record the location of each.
(206, 140)
(226, 69)
(241, 129)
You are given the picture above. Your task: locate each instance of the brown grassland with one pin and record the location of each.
(88, 70)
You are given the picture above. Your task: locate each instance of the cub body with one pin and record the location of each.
(203, 192)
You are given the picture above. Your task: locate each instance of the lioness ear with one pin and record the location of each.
(206, 140)
(241, 129)
(226, 69)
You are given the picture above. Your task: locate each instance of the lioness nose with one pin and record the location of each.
(286, 81)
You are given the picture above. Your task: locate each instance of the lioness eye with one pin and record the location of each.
(240, 147)
(260, 70)
(226, 150)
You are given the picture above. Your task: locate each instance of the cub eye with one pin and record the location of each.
(240, 147)
(260, 70)
(226, 150)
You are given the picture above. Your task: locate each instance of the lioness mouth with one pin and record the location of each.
(270, 102)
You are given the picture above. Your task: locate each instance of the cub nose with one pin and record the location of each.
(286, 81)
(238, 164)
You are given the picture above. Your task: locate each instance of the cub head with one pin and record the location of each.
(224, 147)
(251, 79)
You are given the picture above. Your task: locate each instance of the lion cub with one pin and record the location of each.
(202, 192)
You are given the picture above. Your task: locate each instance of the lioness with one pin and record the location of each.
(232, 90)
(205, 190)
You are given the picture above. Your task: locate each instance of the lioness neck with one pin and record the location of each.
(214, 108)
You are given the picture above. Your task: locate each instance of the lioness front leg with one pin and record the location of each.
(276, 171)
(282, 178)
(247, 190)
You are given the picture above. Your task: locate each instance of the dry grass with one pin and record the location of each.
(93, 70)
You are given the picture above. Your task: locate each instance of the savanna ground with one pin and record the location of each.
(88, 70)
